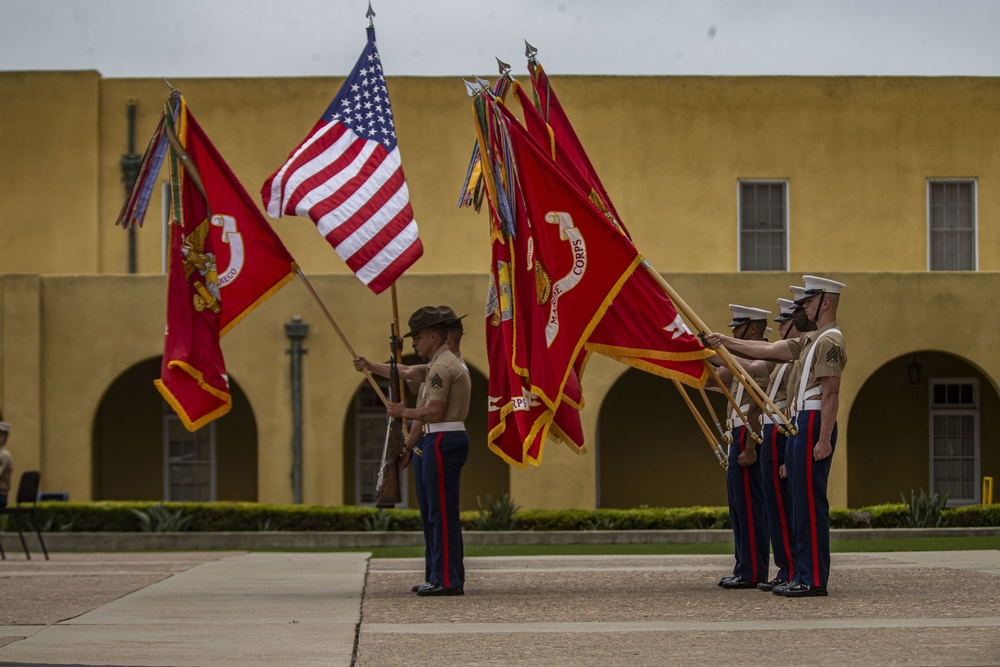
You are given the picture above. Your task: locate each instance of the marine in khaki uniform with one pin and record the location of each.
(777, 496)
(443, 449)
(743, 478)
(819, 360)
(415, 377)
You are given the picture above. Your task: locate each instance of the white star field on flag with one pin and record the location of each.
(363, 104)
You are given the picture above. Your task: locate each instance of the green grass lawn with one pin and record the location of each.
(894, 544)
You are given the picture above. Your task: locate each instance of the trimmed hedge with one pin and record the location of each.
(119, 516)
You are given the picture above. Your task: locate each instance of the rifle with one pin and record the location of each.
(387, 489)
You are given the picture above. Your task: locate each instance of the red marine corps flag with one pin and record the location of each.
(577, 285)
(566, 266)
(224, 261)
(347, 177)
(642, 328)
(518, 420)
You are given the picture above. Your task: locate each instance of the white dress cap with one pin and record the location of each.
(787, 308)
(743, 314)
(798, 294)
(817, 285)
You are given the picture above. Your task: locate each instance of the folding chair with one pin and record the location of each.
(27, 498)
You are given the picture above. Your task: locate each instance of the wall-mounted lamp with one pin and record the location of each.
(913, 370)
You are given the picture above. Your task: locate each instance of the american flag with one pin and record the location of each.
(347, 177)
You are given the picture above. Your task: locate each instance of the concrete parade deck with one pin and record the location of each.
(279, 608)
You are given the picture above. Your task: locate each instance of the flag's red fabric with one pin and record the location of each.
(193, 374)
(224, 261)
(518, 420)
(347, 177)
(642, 327)
(563, 133)
(576, 284)
(566, 266)
(251, 260)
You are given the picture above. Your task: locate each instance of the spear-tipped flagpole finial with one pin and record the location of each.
(485, 83)
(169, 85)
(530, 51)
(504, 67)
(370, 15)
(470, 88)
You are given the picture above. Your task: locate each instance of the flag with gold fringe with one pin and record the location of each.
(599, 301)
(224, 260)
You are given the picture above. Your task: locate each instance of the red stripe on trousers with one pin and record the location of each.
(781, 503)
(746, 493)
(812, 500)
(444, 513)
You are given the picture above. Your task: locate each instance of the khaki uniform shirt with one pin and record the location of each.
(6, 469)
(745, 398)
(829, 360)
(448, 380)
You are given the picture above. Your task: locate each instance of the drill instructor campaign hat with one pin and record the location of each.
(431, 316)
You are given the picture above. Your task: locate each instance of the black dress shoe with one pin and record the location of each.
(738, 582)
(769, 585)
(800, 590)
(779, 589)
(417, 587)
(435, 589)
(728, 577)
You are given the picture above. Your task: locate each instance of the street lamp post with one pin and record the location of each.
(130, 164)
(296, 331)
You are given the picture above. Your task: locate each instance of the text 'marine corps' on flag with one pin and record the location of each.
(347, 177)
(642, 327)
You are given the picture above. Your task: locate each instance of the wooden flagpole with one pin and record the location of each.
(766, 405)
(340, 332)
(713, 444)
(398, 352)
(711, 411)
(725, 391)
(399, 332)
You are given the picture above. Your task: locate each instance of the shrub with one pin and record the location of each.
(599, 522)
(496, 515)
(378, 521)
(973, 516)
(656, 518)
(925, 510)
(118, 516)
(158, 519)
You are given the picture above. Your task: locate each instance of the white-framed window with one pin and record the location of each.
(952, 224)
(763, 225)
(370, 424)
(188, 459)
(954, 435)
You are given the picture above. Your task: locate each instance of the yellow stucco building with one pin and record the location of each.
(732, 187)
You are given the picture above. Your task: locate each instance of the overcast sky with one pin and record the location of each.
(226, 38)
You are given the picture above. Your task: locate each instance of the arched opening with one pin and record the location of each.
(484, 474)
(651, 450)
(142, 452)
(915, 425)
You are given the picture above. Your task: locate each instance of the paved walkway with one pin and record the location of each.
(290, 609)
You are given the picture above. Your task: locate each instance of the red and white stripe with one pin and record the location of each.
(355, 192)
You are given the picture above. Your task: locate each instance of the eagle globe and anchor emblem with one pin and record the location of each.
(207, 288)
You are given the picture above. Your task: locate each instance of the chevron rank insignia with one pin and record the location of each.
(832, 356)
(437, 382)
